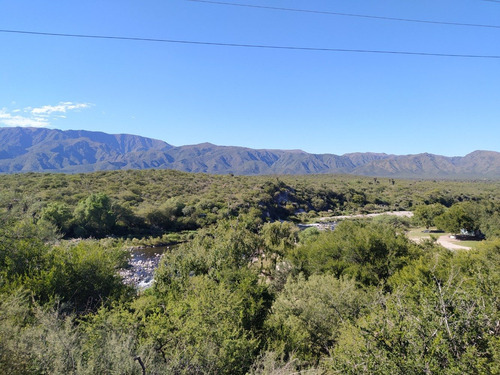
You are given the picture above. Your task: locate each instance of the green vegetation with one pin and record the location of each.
(154, 202)
(245, 293)
(425, 214)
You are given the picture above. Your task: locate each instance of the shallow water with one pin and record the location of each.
(143, 263)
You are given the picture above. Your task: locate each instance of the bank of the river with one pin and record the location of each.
(408, 214)
(329, 222)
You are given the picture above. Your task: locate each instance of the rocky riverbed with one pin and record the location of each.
(142, 264)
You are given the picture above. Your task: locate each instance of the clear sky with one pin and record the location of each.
(317, 101)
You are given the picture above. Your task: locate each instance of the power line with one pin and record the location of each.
(264, 46)
(352, 14)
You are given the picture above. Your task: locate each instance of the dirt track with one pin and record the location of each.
(446, 242)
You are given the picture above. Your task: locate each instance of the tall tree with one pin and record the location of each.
(95, 215)
(463, 215)
(425, 214)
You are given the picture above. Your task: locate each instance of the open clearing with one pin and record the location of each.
(443, 239)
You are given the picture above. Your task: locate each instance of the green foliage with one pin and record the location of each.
(213, 305)
(280, 237)
(165, 216)
(246, 293)
(463, 215)
(227, 246)
(40, 340)
(369, 252)
(82, 275)
(437, 320)
(209, 326)
(490, 220)
(109, 342)
(177, 201)
(425, 214)
(22, 254)
(94, 216)
(58, 214)
(270, 363)
(308, 235)
(307, 315)
(35, 340)
(397, 222)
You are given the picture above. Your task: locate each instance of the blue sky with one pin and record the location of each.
(320, 102)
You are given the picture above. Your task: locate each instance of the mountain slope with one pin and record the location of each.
(34, 149)
(48, 150)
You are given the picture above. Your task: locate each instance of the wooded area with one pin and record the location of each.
(246, 292)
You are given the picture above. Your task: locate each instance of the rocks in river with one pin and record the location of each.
(142, 264)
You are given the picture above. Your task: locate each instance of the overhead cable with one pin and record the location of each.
(264, 46)
(351, 14)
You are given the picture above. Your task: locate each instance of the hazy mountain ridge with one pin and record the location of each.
(35, 149)
(48, 150)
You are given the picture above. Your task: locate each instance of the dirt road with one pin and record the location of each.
(446, 242)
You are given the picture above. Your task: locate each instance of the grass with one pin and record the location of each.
(471, 244)
(418, 233)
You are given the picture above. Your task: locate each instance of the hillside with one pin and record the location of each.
(49, 150)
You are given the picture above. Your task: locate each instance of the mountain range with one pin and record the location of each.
(75, 151)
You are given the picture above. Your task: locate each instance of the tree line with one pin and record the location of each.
(155, 202)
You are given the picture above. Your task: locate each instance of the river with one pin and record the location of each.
(143, 262)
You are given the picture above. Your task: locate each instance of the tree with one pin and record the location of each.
(437, 320)
(307, 314)
(369, 252)
(463, 215)
(58, 214)
(22, 253)
(82, 275)
(95, 215)
(209, 327)
(425, 214)
(279, 238)
(213, 251)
